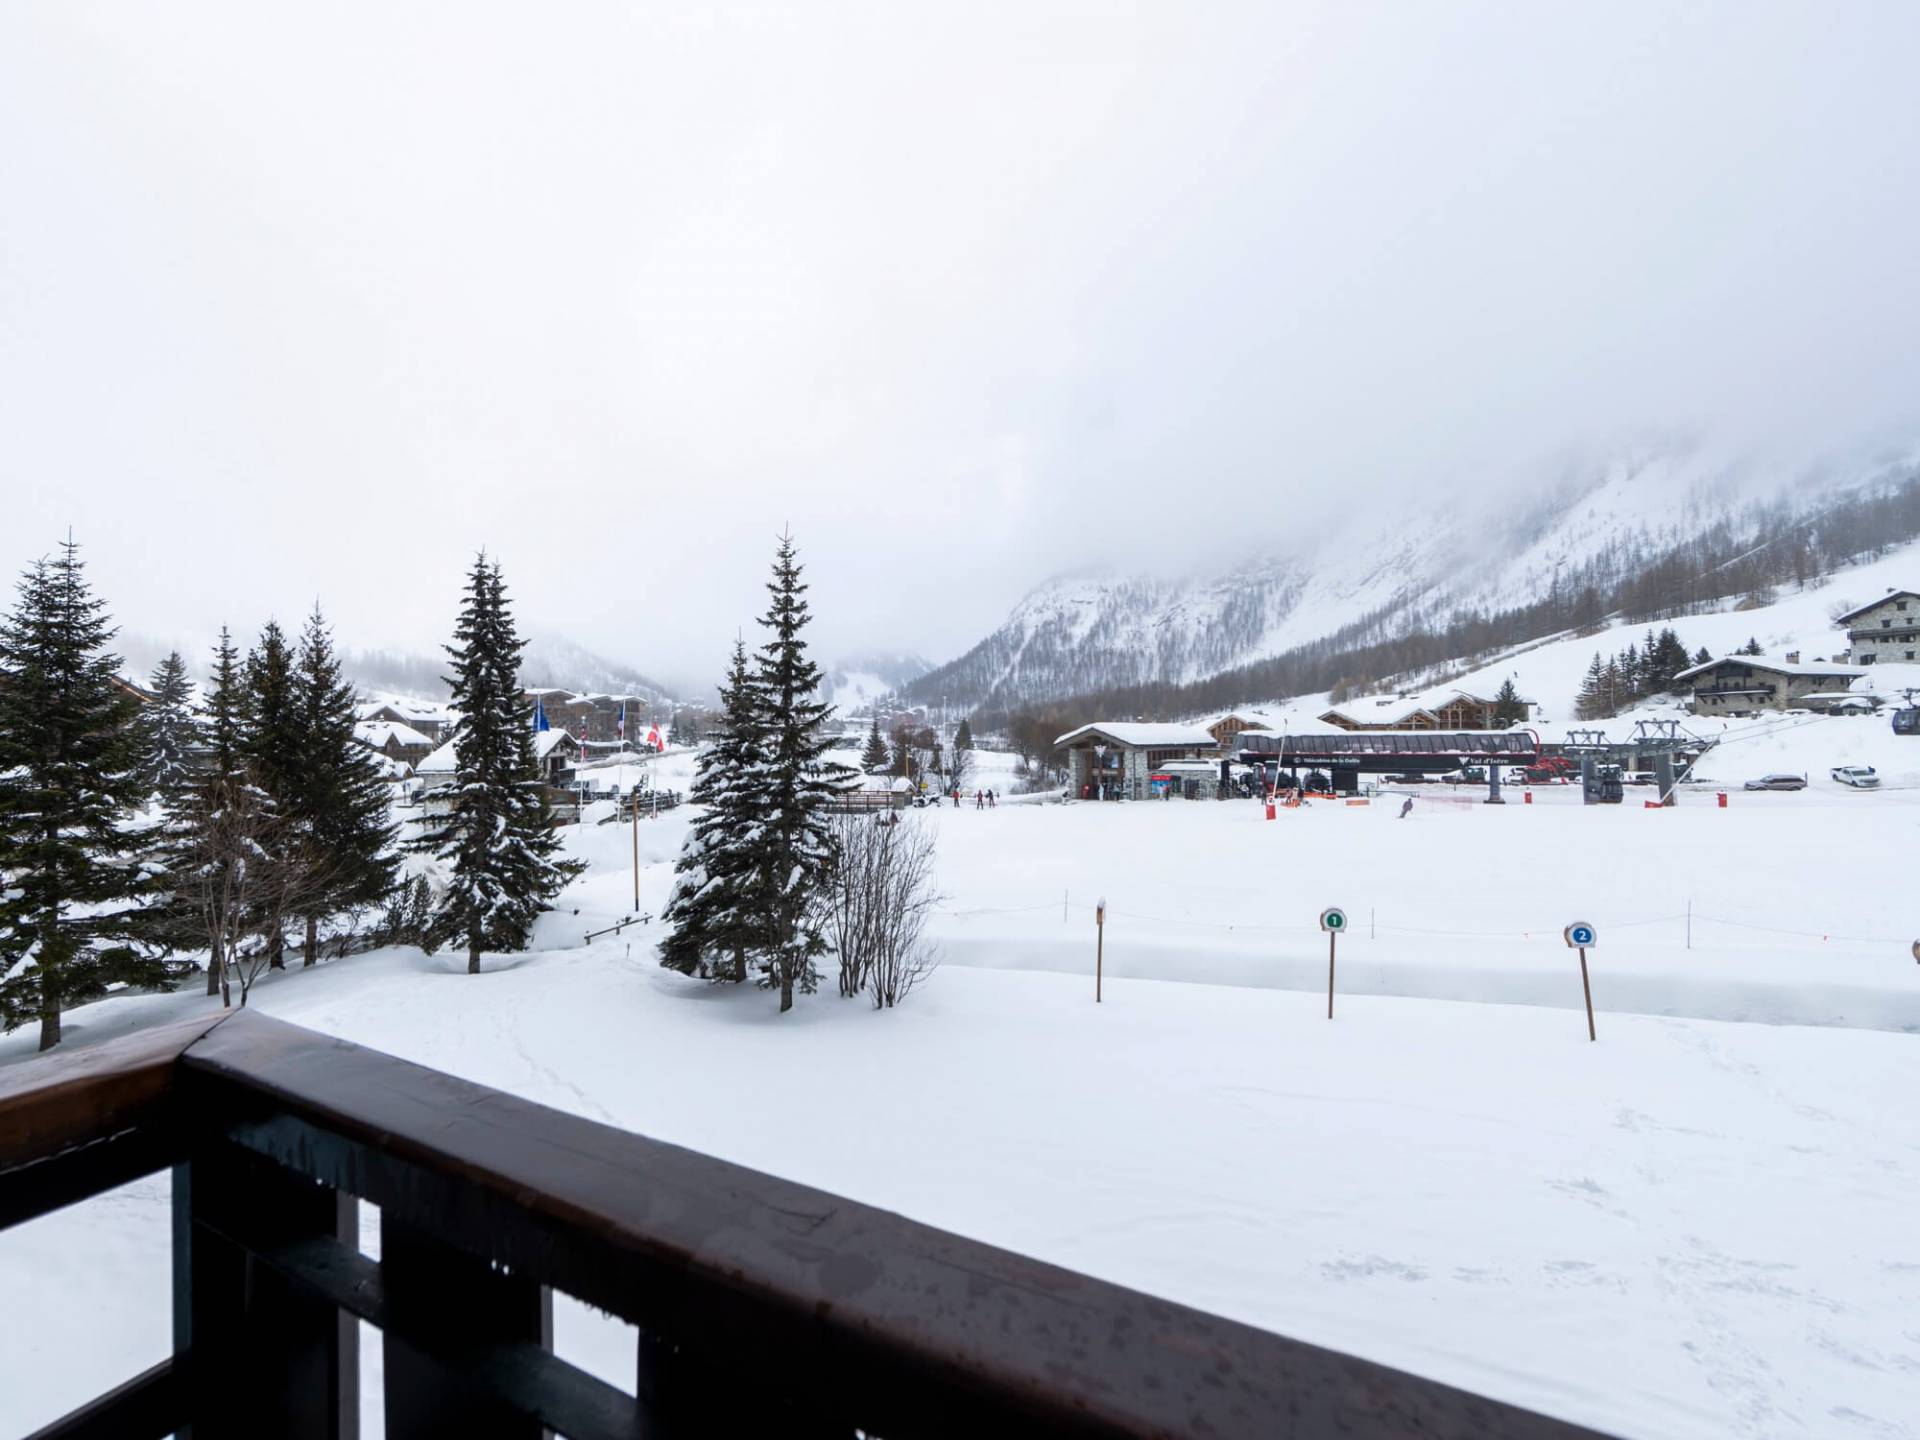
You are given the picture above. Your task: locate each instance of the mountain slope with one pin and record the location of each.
(1648, 534)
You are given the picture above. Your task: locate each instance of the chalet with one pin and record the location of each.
(1884, 630)
(1380, 715)
(426, 720)
(1439, 710)
(1223, 728)
(1118, 761)
(1742, 684)
(394, 740)
(554, 753)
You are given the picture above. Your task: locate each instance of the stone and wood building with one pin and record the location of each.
(1746, 684)
(1884, 631)
(1119, 760)
(1458, 711)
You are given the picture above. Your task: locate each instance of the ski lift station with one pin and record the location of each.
(1138, 761)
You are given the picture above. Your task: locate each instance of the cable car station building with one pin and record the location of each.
(1125, 760)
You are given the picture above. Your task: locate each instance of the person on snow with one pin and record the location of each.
(989, 799)
(979, 800)
(1406, 807)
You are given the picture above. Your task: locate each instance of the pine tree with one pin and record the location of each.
(169, 733)
(1508, 708)
(337, 800)
(876, 758)
(204, 818)
(75, 897)
(1631, 672)
(963, 737)
(1702, 656)
(270, 743)
(271, 727)
(797, 783)
(1591, 702)
(498, 836)
(1752, 648)
(1614, 689)
(714, 912)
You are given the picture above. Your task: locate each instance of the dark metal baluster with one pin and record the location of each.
(264, 1357)
(449, 1300)
(685, 1396)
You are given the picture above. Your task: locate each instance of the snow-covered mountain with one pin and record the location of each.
(1405, 567)
(857, 681)
(554, 660)
(548, 660)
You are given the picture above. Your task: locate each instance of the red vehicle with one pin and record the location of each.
(1551, 768)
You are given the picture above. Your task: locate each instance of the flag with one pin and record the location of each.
(653, 738)
(620, 725)
(539, 715)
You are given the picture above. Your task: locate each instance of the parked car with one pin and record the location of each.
(1778, 782)
(1860, 777)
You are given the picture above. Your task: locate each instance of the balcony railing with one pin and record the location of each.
(763, 1307)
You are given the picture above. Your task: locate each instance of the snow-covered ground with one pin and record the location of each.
(1696, 1227)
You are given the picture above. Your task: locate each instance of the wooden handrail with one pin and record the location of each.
(59, 1102)
(854, 1317)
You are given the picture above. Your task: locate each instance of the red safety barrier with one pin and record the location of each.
(1526, 797)
(1270, 810)
(1723, 799)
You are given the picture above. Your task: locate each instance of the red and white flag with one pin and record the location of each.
(653, 738)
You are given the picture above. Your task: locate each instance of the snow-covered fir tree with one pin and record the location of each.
(336, 797)
(963, 737)
(76, 893)
(795, 783)
(714, 913)
(169, 731)
(270, 737)
(203, 828)
(876, 759)
(1508, 708)
(498, 837)
(271, 728)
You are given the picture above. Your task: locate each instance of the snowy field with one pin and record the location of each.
(1700, 1226)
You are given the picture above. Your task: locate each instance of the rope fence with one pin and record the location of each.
(1543, 932)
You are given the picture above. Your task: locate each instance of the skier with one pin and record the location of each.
(1406, 807)
(979, 800)
(989, 799)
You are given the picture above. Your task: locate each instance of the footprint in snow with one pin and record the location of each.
(1371, 1267)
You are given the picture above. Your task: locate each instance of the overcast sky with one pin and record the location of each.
(313, 301)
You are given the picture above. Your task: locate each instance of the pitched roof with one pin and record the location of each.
(1347, 712)
(1139, 734)
(440, 762)
(1257, 719)
(378, 732)
(1774, 667)
(544, 742)
(1878, 600)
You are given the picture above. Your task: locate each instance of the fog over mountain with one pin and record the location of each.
(968, 295)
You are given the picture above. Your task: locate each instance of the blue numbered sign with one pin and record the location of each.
(1581, 936)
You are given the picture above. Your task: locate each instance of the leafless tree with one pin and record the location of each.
(959, 768)
(249, 876)
(878, 903)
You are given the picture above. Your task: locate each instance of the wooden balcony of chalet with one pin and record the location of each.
(764, 1308)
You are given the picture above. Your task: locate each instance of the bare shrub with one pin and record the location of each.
(878, 902)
